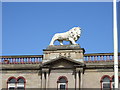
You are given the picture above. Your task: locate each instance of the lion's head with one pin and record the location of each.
(75, 33)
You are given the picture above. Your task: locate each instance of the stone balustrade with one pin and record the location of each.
(37, 59)
(100, 57)
(27, 59)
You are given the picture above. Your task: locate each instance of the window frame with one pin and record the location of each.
(59, 83)
(11, 83)
(113, 82)
(101, 81)
(16, 82)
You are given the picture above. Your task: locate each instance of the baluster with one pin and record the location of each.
(89, 58)
(36, 60)
(40, 59)
(20, 60)
(112, 57)
(105, 57)
(25, 60)
(29, 60)
(9, 60)
(85, 58)
(108, 57)
(0, 60)
(14, 60)
(95, 58)
(101, 57)
(32, 60)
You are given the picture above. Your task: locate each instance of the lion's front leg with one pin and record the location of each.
(53, 39)
(72, 41)
(61, 42)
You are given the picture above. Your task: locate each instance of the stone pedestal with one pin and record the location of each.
(71, 51)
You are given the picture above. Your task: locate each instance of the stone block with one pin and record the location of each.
(70, 51)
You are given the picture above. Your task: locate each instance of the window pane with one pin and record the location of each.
(12, 80)
(20, 88)
(62, 80)
(62, 87)
(20, 80)
(112, 79)
(11, 88)
(106, 85)
(106, 79)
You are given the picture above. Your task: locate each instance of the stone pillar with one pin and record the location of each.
(81, 81)
(47, 77)
(81, 78)
(77, 80)
(43, 80)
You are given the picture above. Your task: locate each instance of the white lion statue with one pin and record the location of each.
(72, 35)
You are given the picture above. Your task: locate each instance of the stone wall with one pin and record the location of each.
(32, 77)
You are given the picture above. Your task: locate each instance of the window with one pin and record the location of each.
(20, 84)
(105, 83)
(14, 83)
(113, 83)
(62, 83)
(11, 83)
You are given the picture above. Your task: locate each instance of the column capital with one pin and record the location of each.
(45, 70)
(79, 70)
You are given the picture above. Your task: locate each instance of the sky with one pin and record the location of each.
(28, 27)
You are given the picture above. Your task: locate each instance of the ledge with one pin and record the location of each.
(20, 66)
(63, 47)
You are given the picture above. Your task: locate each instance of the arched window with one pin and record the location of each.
(11, 83)
(113, 83)
(105, 82)
(21, 83)
(62, 83)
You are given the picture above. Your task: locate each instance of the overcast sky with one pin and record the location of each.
(28, 27)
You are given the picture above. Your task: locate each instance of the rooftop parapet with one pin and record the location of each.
(37, 59)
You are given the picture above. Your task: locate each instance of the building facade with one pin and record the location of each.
(60, 67)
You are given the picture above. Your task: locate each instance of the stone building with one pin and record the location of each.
(60, 67)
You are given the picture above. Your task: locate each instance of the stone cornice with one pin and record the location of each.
(20, 66)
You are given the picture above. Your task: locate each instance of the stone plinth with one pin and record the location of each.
(71, 51)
